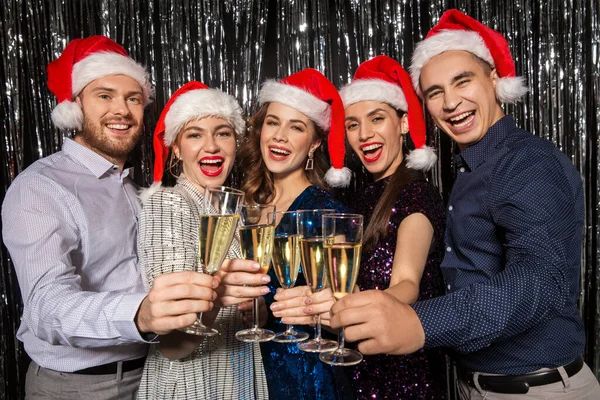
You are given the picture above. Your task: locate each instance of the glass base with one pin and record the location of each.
(343, 357)
(255, 335)
(199, 330)
(290, 336)
(318, 346)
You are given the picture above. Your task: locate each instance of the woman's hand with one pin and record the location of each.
(240, 282)
(298, 306)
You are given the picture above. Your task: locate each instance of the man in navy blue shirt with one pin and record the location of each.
(513, 237)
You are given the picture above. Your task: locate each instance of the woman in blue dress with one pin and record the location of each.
(284, 161)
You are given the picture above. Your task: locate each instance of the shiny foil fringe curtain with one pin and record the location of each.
(235, 45)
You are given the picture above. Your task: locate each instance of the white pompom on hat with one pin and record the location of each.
(312, 94)
(83, 61)
(457, 31)
(384, 80)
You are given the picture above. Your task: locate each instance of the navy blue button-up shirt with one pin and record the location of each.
(512, 263)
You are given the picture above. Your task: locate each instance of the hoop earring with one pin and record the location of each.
(310, 162)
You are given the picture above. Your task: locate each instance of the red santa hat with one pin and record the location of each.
(192, 101)
(312, 94)
(457, 31)
(383, 79)
(83, 61)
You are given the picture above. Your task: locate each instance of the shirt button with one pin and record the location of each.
(450, 208)
(448, 249)
(462, 169)
(449, 287)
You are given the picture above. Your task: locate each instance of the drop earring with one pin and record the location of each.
(309, 162)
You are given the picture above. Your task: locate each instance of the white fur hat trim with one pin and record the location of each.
(200, 103)
(376, 90)
(103, 64)
(316, 109)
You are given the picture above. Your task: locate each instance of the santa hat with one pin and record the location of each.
(383, 79)
(312, 94)
(457, 31)
(83, 61)
(192, 101)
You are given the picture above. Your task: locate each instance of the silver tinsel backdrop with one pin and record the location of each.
(235, 45)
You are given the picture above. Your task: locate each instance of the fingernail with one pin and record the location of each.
(277, 313)
(275, 306)
(256, 266)
(308, 301)
(266, 279)
(265, 291)
(307, 310)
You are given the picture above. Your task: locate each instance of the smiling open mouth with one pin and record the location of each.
(211, 166)
(461, 120)
(278, 154)
(371, 152)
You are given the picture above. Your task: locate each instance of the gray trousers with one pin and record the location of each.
(581, 386)
(43, 383)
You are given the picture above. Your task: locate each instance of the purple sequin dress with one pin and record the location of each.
(420, 375)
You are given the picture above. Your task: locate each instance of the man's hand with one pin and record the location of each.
(383, 324)
(240, 282)
(174, 300)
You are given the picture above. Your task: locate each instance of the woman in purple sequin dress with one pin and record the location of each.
(404, 218)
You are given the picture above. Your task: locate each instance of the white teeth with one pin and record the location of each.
(465, 122)
(280, 151)
(210, 161)
(372, 147)
(117, 126)
(461, 116)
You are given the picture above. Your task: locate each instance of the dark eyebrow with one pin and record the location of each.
(298, 121)
(370, 114)
(223, 126)
(272, 116)
(113, 90)
(194, 128)
(461, 75)
(375, 111)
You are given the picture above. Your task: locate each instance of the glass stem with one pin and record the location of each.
(318, 328)
(255, 312)
(289, 330)
(341, 342)
(199, 319)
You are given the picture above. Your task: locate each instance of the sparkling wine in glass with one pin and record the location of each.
(286, 263)
(314, 267)
(344, 241)
(217, 223)
(257, 233)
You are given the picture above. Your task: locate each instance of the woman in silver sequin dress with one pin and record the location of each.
(198, 127)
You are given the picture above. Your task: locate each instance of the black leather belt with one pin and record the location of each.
(107, 369)
(520, 383)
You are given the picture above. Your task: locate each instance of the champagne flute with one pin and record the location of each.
(286, 263)
(344, 241)
(217, 223)
(314, 267)
(256, 239)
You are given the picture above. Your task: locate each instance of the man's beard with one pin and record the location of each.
(95, 138)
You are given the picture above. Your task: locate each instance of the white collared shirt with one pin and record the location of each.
(69, 222)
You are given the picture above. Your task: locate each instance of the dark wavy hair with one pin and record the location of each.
(258, 182)
(379, 222)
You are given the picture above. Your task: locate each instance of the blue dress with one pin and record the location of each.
(292, 373)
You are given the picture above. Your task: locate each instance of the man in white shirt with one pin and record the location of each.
(70, 225)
